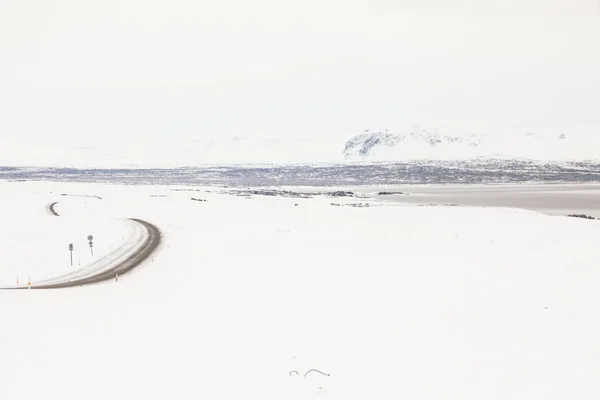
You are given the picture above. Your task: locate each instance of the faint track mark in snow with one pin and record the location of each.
(315, 370)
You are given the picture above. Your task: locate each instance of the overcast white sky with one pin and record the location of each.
(103, 70)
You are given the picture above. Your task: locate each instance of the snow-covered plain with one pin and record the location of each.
(38, 241)
(392, 301)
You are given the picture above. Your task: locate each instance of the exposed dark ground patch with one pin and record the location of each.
(291, 193)
(346, 175)
(584, 216)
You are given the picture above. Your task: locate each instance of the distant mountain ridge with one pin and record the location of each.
(419, 143)
(367, 142)
(442, 143)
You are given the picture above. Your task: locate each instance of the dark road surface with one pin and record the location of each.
(151, 241)
(51, 209)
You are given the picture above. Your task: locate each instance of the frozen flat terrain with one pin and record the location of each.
(248, 293)
(550, 199)
(38, 241)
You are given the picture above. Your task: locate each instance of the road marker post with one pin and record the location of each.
(71, 250)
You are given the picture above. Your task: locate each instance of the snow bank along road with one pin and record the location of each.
(144, 239)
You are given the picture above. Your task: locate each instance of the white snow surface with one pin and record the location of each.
(38, 242)
(391, 301)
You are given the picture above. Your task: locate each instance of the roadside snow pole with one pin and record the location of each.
(117, 278)
(71, 250)
(91, 240)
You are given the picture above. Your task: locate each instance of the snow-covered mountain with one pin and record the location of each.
(370, 143)
(413, 143)
(438, 144)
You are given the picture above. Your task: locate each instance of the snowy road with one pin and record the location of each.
(143, 240)
(51, 210)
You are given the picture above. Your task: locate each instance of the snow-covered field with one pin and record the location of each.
(34, 243)
(248, 293)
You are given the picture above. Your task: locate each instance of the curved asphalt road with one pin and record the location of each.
(150, 242)
(51, 210)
